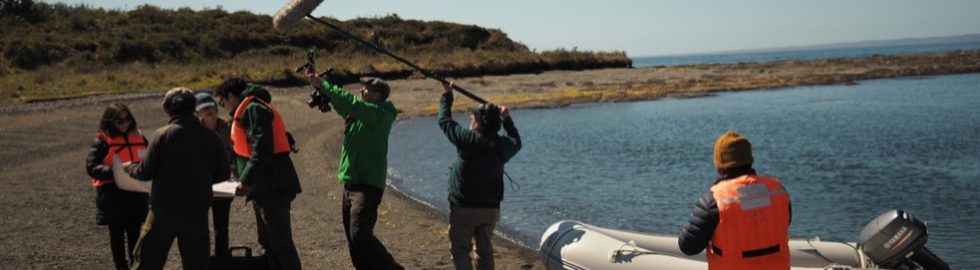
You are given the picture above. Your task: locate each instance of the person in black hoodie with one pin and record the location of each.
(183, 160)
(476, 178)
(123, 211)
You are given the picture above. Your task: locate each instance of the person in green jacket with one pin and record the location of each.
(363, 164)
(267, 175)
(476, 178)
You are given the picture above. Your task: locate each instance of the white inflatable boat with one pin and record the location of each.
(575, 245)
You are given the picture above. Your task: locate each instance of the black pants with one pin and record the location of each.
(122, 240)
(220, 210)
(188, 226)
(275, 231)
(360, 209)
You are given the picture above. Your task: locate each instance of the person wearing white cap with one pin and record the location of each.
(207, 112)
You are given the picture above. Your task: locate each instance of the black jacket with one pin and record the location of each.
(114, 205)
(183, 160)
(704, 219)
(476, 177)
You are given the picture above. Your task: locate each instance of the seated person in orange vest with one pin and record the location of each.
(184, 159)
(124, 211)
(743, 222)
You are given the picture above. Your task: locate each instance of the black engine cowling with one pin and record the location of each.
(897, 240)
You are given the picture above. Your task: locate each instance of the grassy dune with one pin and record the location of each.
(54, 51)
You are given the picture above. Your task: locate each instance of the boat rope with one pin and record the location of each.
(624, 255)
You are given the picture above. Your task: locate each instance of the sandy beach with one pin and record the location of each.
(49, 209)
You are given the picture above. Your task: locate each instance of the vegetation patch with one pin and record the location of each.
(57, 50)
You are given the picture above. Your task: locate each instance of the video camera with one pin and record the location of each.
(317, 99)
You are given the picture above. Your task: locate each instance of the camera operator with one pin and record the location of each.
(363, 164)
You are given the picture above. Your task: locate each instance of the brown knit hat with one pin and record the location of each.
(732, 151)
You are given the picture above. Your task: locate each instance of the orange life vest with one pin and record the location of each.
(753, 225)
(239, 140)
(126, 147)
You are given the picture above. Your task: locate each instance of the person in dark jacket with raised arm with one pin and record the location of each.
(476, 178)
(743, 221)
(123, 211)
(184, 160)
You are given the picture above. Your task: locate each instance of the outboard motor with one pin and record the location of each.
(896, 240)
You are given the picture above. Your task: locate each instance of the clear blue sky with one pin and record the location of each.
(652, 27)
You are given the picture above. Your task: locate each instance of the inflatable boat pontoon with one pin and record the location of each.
(894, 240)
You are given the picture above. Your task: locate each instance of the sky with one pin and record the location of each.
(651, 27)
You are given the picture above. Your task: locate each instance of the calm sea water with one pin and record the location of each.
(724, 58)
(845, 153)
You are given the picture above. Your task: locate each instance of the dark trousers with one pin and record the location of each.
(220, 212)
(122, 240)
(466, 226)
(275, 231)
(188, 226)
(360, 209)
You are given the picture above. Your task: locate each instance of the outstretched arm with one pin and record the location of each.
(450, 127)
(512, 135)
(147, 169)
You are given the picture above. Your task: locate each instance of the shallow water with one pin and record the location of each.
(845, 154)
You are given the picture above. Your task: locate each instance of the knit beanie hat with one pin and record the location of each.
(732, 151)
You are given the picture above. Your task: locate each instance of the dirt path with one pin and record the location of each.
(48, 211)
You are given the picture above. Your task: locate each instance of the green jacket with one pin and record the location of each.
(476, 178)
(364, 156)
(264, 172)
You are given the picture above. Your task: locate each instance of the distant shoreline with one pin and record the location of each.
(562, 88)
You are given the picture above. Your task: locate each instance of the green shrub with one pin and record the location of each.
(31, 55)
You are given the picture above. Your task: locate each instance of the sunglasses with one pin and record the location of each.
(120, 121)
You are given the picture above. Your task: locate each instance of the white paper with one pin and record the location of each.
(224, 189)
(124, 181)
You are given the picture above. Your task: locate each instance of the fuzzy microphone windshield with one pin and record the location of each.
(292, 13)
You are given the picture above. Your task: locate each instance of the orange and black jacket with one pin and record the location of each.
(704, 219)
(95, 164)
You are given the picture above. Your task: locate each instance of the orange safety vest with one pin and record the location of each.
(239, 139)
(126, 147)
(753, 225)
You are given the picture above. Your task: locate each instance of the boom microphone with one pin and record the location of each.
(293, 13)
(298, 9)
